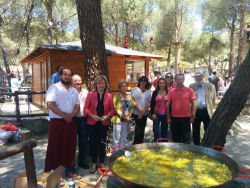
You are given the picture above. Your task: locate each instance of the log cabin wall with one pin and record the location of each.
(71, 59)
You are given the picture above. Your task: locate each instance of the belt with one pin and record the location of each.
(202, 109)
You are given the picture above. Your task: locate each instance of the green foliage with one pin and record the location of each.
(198, 49)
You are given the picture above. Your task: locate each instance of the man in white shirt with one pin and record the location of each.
(81, 122)
(63, 103)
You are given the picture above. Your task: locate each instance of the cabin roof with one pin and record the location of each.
(77, 46)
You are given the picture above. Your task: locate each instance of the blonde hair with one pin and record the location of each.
(99, 79)
(122, 82)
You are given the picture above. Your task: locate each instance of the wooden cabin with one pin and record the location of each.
(123, 64)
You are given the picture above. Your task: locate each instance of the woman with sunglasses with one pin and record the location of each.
(170, 80)
(141, 97)
(124, 106)
(158, 110)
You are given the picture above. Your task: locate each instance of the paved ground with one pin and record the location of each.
(238, 147)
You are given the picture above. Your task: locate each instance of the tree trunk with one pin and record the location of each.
(169, 56)
(231, 53)
(210, 51)
(6, 64)
(92, 38)
(176, 54)
(48, 5)
(229, 107)
(241, 37)
(116, 34)
(127, 31)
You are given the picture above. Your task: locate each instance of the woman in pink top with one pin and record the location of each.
(98, 109)
(158, 110)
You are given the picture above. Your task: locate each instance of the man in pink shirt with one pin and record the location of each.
(183, 109)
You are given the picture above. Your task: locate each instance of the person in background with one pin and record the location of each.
(124, 106)
(248, 31)
(98, 109)
(205, 97)
(14, 85)
(183, 110)
(81, 122)
(126, 43)
(158, 110)
(63, 103)
(158, 75)
(214, 80)
(55, 78)
(141, 97)
(170, 80)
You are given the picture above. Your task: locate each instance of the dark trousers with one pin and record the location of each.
(82, 139)
(248, 34)
(160, 127)
(97, 133)
(180, 129)
(201, 116)
(140, 125)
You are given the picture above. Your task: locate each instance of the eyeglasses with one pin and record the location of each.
(143, 80)
(171, 77)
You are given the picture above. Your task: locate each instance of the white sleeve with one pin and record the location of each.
(132, 92)
(51, 94)
(77, 99)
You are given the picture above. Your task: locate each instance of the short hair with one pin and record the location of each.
(58, 66)
(67, 69)
(179, 74)
(99, 79)
(76, 75)
(214, 73)
(122, 82)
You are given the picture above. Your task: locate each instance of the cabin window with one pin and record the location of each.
(134, 70)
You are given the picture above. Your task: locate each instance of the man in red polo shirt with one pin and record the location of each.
(183, 109)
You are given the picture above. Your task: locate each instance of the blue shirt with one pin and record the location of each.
(55, 78)
(201, 97)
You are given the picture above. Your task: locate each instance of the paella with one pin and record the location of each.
(161, 167)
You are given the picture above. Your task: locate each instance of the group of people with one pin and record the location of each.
(75, 111)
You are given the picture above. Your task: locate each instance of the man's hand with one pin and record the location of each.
(192, 119)
(169, 120)
(154, 117)
(67, 117)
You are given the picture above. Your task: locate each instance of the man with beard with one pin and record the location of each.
(63, 103)
(205, 96)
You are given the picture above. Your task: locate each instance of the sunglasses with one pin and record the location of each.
(143, 80)
(171, 77)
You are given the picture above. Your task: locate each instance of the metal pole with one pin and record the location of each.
(18, 118)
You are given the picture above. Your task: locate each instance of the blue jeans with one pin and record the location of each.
(82, 139)
(160, 127)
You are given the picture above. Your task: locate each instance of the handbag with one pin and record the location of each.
(156, 110)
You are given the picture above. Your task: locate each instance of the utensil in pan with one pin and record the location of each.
(127, 153)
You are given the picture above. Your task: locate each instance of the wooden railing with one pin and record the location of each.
(18, 115)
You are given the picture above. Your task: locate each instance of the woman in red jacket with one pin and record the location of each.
(98, 109)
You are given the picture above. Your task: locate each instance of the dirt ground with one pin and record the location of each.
(237, 145)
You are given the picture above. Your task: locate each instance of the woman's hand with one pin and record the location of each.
(96, 118)
(104, 118)
(154, 116)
